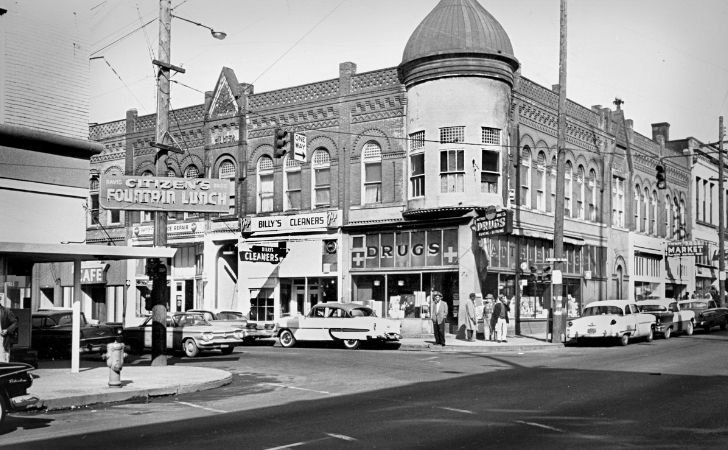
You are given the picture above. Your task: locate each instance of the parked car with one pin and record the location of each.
(669, 316)
(15, 379)
(186, 332)
(707, 313)
(348, 323)
(612, 319)
(253, 329)
(51, 333)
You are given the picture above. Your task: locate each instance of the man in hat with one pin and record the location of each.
(439, 317)
(488, 323)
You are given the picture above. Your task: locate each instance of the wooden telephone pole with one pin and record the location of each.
(721, 217)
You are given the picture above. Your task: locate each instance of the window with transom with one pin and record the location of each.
(226, 171)
(568, 189)
(540, 183)
(452, 135)
(618, 201)
(490, 171)
(525, 169)
(321, 168)
(292, 184)
(372, 173)
(452, 171)
(264, 173)
(490, 135)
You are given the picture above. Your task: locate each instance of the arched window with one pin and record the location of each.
(636, 204)
(371, 173)
(526, 177)
(568, 189)
(226, 171)
(540, 183)
(552, 184)
(292, 183)
(668, 217)
(146, 216)
(683, 225)
(645, 199)
(170, 173)
(653, 214)
(113, 216)
(592, 194)
(192, 172)
(93, 201)
(321, 165)
(264, 173)
(580, 196)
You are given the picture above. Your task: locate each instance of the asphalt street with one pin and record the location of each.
(647, 395)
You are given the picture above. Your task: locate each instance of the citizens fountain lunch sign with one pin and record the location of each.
(164, 194)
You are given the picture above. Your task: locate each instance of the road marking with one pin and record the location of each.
(430, 358)
(202, 407)
(297, 388)
(540, 425)
(464, 411)
(330, 435)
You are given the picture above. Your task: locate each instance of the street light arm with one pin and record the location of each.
(216, 34)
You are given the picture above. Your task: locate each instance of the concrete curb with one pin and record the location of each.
(479, 348)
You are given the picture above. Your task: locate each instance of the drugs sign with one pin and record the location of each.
(494, 223)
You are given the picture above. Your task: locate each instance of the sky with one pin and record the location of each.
(666, 59)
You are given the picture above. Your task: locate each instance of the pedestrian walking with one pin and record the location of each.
(439, 318)
(500, 312)
(8, 330)
(471, 322)
(488, 319)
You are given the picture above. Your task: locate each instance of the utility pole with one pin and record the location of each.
(721, 217)
(559, 321)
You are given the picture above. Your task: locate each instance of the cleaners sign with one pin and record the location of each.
(262, 253)
(164, 194)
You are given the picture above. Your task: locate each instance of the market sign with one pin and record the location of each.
(264, 253)
(142, 193)
(685, 249)
(494, 223)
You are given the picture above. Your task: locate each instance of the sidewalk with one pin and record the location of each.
(57, 388)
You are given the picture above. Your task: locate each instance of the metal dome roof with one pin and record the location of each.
(458, 26)
(455, 28)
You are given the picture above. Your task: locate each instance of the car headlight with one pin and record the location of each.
(613, 322)
(207, 336)
(238, 334)
(571, 324)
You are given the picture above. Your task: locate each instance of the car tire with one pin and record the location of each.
(689, 329)
(286, 338)
(227, 350)
(190, 348)
(3, 409)
(624, 339)
(667, 333)
(707, 328)
(351, 344)
(724, 325)
(651, 335)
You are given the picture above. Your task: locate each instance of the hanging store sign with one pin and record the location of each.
(292, 222)
(494, 223)
(264, 253)
(164, 194)
(685, 249)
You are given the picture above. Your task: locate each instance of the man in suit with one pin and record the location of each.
(439, 318)
(8, 325)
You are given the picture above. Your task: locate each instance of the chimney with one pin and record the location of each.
(661, 129)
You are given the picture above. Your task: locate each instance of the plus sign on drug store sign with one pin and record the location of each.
(413, 248)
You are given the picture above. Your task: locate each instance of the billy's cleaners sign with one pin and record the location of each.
(164, 194)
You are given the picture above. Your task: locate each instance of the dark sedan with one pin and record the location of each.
(707, 313)
(51, 333)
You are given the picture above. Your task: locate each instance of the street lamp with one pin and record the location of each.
(216, 34)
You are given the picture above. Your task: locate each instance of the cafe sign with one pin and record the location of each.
(142, 193)
(685, 249)
(494, 222)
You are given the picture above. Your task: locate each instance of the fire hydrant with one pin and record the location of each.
(114, 357)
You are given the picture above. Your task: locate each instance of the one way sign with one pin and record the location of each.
(299, 147)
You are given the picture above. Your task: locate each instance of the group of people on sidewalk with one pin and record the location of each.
(495, 318)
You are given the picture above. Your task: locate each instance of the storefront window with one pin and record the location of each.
(261, 306)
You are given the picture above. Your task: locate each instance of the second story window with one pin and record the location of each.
(417, 164)
(191, 172)
(265, 184)
(94, 202)
(226, 171)
(525, 177)
(592, 194)
(452, 171)
(372, 173)
(292, 184)
(568, 189)
(540, 184)
(321, 168)
(490, 171)
(618, 202)
(490, 135)
(668, 217)
(452, 135)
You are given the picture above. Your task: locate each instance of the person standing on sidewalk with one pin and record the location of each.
(471, 322)
(8, 327)
(500, 312)
(488, 324)
(439, 318)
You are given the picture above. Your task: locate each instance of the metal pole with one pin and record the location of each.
(159, 309)
(560, 182)
(76, 318)
(721, 217)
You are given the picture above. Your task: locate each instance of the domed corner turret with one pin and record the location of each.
(458, 38)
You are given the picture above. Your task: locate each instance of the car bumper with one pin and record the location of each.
(573, 335)
(386, 337)
(260, 334)
(218, 344)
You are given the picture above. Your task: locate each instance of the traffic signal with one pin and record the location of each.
(546, 275)
(281, 142)
(660, 177)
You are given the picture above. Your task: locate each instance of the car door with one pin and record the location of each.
(310, 327)
(630, 320)
(345, 325)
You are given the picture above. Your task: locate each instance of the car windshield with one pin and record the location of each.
(230, 315)
(599, 310)
(191, 319)
(653, 308)
(696, 305)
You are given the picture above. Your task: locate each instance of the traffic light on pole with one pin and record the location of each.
(282, 142)
(546, 275)
(660, 177)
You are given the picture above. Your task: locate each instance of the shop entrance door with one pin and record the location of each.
(97, 293)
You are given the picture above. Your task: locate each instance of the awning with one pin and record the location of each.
(34, 252)
(547, 236)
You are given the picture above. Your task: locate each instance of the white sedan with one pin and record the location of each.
(349, 323)
(619, 319)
